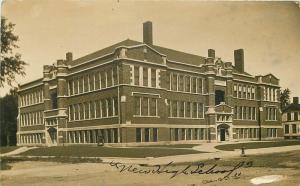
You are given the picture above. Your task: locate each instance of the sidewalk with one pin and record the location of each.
(17, 151)
(201, 156)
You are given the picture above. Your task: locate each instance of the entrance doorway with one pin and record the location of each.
(223, 132)
(53, 135)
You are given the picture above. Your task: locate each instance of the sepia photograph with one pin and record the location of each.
(149, 92)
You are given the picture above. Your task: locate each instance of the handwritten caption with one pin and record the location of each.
(199, 168)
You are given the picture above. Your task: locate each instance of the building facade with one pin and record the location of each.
(135, 93)
(291, 120)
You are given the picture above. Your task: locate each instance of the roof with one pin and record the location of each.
(173, 55)
(292, 107)
(104, 51)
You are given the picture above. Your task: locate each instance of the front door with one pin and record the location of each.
(222, 134)
(52, 140)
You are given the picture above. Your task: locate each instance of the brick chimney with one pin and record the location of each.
(211, 53)
(296, 100)
(147, 33)
(239, 60)
(69, 56)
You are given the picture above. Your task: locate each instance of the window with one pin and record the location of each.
(240, 112)
(187, 84)
(248, 92)
(86, 110)
(289, 117)
(181, 109)
(104, 108)
(174, 81)
(235, 112)
(153, 77)
(294, 128)
(235, 90)
(200, 81)
(71, 87)
(86, 83)
(219, 97)
(240, 91)
(153, 107)
(194, 115)
(92, 109)
(155, 136)
(174, 108)
(76, 110)
(116, 106)
(138, 133)
(137, 106)
(145, 76)
(145, 106)
(80, 79)
(253, 113)
(76, 86)
(200, 110)
(97, 81)
(244, 91)
(249, 113)
(147, 134)
(194, 84)
(168, 80)
(176, 134)
(189, 134)
(183, 136)
(110, 106)
(109, 77)
(188, 109)
(103, 79)
(98, 109)
(136, 75)
(54, 100)
(296, 116)
(286, 129)
(81, 113)
(244, 113)
(115, 75)
(92, 81)
(181, 83)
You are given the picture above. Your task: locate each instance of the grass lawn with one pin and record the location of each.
(173, 146)
(92, 151)
(7, 149)
(255, 145)
(276, 160)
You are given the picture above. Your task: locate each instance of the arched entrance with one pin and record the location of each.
(52, 136)
(223, 132)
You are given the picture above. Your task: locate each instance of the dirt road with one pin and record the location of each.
(51, 173)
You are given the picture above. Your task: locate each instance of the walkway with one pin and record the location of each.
(212, 154)
(17, 151)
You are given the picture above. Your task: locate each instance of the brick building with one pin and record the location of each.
(138, 93)
(291, 120)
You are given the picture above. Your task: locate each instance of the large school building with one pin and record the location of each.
(134, 93)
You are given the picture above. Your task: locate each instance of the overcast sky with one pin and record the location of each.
(269, 32)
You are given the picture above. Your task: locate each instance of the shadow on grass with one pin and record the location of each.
(94, 151)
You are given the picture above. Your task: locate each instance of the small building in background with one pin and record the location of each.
(291, 120)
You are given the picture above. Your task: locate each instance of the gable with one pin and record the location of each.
(270, 78)
(144, 53)
(222, 108)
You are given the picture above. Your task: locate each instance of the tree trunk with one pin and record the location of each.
(8, 139)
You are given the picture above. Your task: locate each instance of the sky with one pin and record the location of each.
(269, 32)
